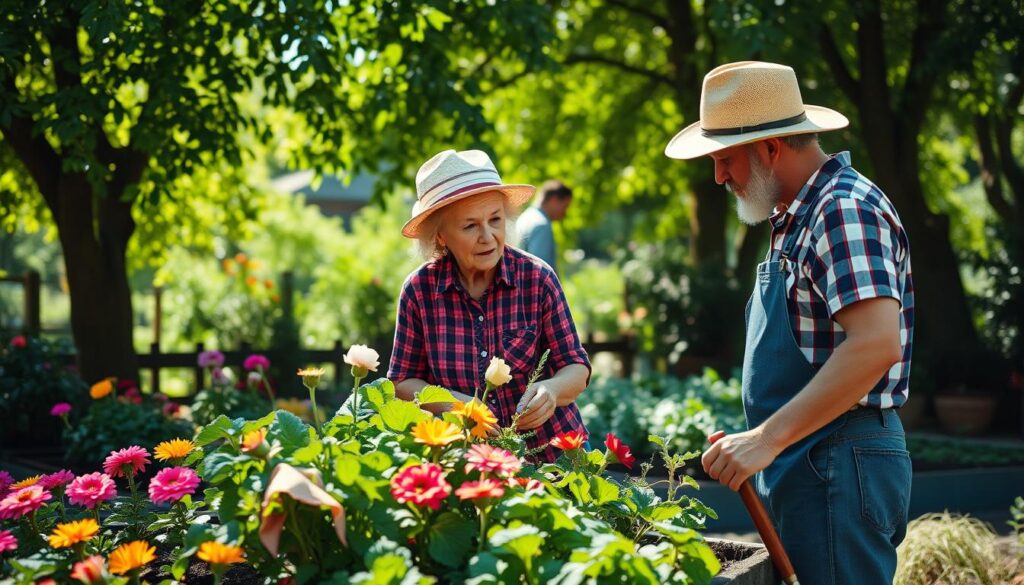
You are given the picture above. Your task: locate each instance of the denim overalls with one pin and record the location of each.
(840, 497)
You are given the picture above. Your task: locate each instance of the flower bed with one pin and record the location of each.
(382, 491)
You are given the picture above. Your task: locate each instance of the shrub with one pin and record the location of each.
(950, 549)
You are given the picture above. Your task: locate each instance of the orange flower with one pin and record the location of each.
(251, 280)
(229, 266)
(216, 553)
(173, 449)
(436, 432)
(241, 258)
(253, 439)
(71, 533)
(268, 284)
(475, 412)
(131, 556)
(102, 388)
(25, 483)
(569, 441)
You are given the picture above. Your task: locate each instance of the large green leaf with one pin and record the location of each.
(523, 541)
(435, 395)
(290, 431)
(399, 414)
(220, 428)
(451, 539)
(602, 490)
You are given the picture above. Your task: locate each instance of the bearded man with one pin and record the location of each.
(829, 329)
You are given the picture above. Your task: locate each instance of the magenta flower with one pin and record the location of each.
(211, 359)
(24, 501)
(423, 485)
(126, 461)
(7, 541)
(60, 409)
(172, 484)
(91, 490)
(487, 459)
(18, 341)
(171, 408)
(5, 482)
(256, 361)
(57, 479)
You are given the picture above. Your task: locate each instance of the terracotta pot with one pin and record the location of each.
(912, 412)
(965, 414)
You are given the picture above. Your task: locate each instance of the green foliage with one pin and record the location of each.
(999, 303)
(33, 379)
(680, 412)
(952, 452)
(595, 292)
(227, 399)
(1017, 523)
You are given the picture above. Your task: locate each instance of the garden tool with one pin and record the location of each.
(767, 530)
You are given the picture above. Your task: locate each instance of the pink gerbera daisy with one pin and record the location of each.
(487, 459)
(91, 489)
(126, 461)
(483, 489)
(7, 541)
(60, 409)
(57, 479)
(24, 501)
(172, 484)
(423, 485)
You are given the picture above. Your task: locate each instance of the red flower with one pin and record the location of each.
(423, 485)
(622, 452)
(569, 441)
(18, 341)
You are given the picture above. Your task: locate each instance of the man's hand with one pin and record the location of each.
(537, 405)
(734, 458)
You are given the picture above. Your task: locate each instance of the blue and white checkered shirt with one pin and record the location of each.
(853, 248)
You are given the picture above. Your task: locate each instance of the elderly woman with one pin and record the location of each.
(477, 298)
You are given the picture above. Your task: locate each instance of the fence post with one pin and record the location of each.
(154, 372)
(199, 371)
(336, 361)
(158, 293)
(31, 307)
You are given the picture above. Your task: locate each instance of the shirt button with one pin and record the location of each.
(480, 318)
(483, 354)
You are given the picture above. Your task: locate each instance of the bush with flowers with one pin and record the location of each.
(248, 397)
(381, 491)
(32, 379)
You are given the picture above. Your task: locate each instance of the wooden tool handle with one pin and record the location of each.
(767, 531)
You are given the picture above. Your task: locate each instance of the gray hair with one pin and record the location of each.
(426, 245)
(800, 141)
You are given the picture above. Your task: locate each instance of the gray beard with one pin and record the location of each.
(761, 195)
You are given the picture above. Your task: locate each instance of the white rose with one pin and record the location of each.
(498, 372)
(361, 356)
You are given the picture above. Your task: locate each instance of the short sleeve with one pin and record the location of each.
(856, 252)
(409, 354)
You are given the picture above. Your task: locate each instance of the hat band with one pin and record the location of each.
(792, 121)
(461, 190)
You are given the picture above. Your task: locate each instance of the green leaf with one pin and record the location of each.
(347, 468)
(436, 18)
(435, 395)
(656, 440)
(258, 423)
(603, 491)
(290, 431)
(376, 460)
(220, 428)
(310, 452)
(663, 511)
(399, 414)
(524, 542)
(218, 466)
(450, 539)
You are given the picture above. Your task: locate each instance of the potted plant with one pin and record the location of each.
(972, 382)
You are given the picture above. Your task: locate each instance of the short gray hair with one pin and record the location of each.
(426, 246)
(800, 141)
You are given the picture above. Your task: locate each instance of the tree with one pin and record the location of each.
(109, 106)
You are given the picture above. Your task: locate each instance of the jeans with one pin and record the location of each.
(842, 512)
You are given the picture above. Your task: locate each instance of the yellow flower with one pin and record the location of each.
(253, 439)
(102, 388)
(436, 432)
(26, 482)
(131, 556)
(216, 553)
(71, 533)
(311, 377)
(173, 449)
(476, 412)
(293, 405)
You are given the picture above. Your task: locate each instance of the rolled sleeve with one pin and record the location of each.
(409, 354)
(559, 329)
(857, 253)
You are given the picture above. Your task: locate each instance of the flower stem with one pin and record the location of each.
(483, 528)
(355, 398)
(316, 414)
(266, 384)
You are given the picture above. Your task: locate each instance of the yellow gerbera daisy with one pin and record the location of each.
(26, 482)
(216, 553)
(102, 388)
(476, 412)
(131, 556)
(173, 449)
(71, 533)
(436, 432)
(311, 377)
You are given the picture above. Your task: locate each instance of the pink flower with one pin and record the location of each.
(60, 409)
(220, 375)
(24, 501)
(92, 570)
(172, 484)
(7, 541)
(423, 485)
(487, 459)
(57, 479)
(256, 361)
(363, 357)
(18, 341)
(5, 482)
(132, 395)
(91, 490)
(527, 483)
(130, 460)
(483, 489)
(211, 359)
(171, 408)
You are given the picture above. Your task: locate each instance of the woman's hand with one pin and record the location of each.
(537, 405)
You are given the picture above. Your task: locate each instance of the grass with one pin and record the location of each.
(949, 549)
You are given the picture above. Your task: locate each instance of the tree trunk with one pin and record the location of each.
(94, 236)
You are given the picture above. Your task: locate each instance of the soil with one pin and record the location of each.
(729, 552)
(199, 573)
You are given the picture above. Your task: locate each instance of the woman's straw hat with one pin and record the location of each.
(453, 176)
(746, 102)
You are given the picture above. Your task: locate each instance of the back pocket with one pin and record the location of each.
(884, 476)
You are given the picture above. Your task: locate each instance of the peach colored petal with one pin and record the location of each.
(287, 480)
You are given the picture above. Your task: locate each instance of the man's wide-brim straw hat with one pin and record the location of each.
(746, 102)
(453, 176)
